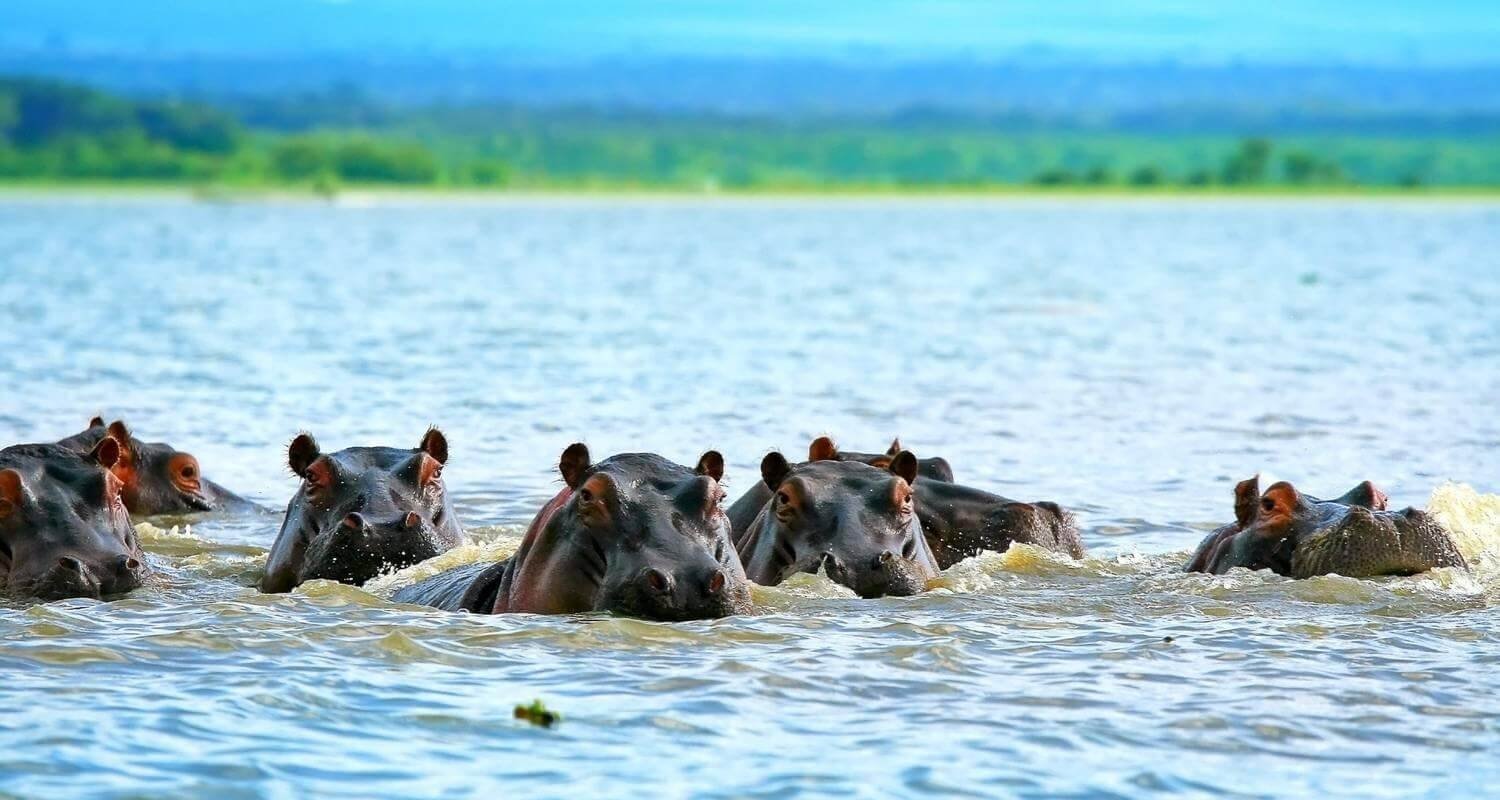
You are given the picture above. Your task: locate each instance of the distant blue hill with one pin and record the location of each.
(790, 86)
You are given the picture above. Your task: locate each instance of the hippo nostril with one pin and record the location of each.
(412, 520)
(658, 581)
(716, 582)
(354, 521)
(71, 564)
(132, 564)
(884, 559)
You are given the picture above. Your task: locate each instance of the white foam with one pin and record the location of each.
(482, 544)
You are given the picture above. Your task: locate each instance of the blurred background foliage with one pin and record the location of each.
(55, 131)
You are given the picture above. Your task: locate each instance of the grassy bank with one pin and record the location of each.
(63, 135)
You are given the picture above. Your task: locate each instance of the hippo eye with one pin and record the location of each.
(188, 472)
(1268, 504)
(585, 496)
(782, 498)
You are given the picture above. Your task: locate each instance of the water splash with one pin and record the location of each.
(492, 543)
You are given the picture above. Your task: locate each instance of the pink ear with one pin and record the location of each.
(107, 452)
(12, 488)
(822, 449)
(118, 430)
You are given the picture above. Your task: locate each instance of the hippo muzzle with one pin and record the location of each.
(70, 577)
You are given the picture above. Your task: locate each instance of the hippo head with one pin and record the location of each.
(855, 521)
(648, 537)
(1300, 535)
(823, 449)
(156, 478)
(64, 530)
(363, 509)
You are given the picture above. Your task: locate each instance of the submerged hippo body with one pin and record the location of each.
(1301, 536)
(634, 534)
(961, 522)
(748, 506)
(362, 511)
(856, 522)
(64, 530)
(157, 478)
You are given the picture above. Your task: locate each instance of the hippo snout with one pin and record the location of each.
(886, 573)
(67, 578)
(122, 575)
(688, 594)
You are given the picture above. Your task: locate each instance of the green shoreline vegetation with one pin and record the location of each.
(57, 134)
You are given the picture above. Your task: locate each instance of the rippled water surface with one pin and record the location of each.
(1130, 360)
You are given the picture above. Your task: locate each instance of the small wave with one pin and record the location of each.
(181, 540)
(484, 544)
(1474, 520)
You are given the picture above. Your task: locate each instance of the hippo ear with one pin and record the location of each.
(822, 449)
(1282, 497)
(711, 464)
(118, 430)
(96, 422)
(895, 447)
(905, 465)
(12, 491)
(301, 453)
(574, 462)
(107, 452)
(774, 469)
(1246, 500)
(435, 444)
(1365, 494)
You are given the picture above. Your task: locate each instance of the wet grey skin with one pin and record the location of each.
(855, 522)
(1301, 536)
(362, 511)
(748, 506)
(635, 535)
(64, 530)
(158, 478)
(961, 522)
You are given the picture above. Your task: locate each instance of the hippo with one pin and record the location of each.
(361, 511)
(64, 530)
(961, 522)
(157, 478)
(747, 508)
(958, 521)
(634, 534)
(1300, 536)
(855, 521)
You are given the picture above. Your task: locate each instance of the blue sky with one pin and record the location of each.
(1382, 31)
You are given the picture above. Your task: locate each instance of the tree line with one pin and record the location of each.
(52, 131)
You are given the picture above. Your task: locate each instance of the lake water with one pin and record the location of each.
(1128, 359)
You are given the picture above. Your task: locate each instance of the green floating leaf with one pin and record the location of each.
(538, 714)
